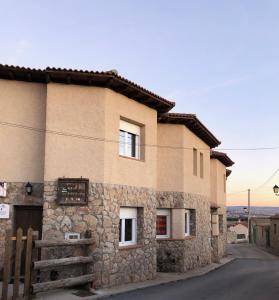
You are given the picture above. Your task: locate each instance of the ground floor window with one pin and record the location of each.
(127, 226)
(187, 222)
(241, 236)
(163, 223)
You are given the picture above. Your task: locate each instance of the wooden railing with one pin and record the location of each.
(32, 266)
(19, 240)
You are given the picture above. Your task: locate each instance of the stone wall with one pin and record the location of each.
(113, 265)
(16, 196)
(218, 243)
(193, 251)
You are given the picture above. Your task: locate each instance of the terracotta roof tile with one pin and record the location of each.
(222, 157)
(193, 123)
(109, 79)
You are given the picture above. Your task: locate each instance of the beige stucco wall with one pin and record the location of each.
(196, 184)
(126, 171)
(22, 150)
(77, 111)
(217, 173)
(170, 174)
(175, 164)
(89, 119)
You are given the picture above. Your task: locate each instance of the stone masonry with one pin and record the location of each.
(113, 265)
(193, 251)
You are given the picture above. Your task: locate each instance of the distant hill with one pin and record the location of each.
(238, 211)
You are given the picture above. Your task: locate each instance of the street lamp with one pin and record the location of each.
(276, 190)
(245, 210)
(29, 189)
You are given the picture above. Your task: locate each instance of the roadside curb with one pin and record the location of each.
(145, 285)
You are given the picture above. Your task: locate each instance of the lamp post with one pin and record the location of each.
(29, 189)
(249, 211)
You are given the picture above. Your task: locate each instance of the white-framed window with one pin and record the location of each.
(129, 139)
(163, 223)
(187, 222)
(195, 162)
(127, 226)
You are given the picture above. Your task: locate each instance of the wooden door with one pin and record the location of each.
(25, 217)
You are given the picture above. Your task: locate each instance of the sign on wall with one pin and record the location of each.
(3, 189)
(4, 211)
(73, 191)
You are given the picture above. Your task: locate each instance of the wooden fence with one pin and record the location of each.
(33, 265)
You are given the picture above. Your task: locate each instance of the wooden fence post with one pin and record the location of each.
(35, 257)
(87, 253)
(28, 261)
(7, 265)
(17, 263)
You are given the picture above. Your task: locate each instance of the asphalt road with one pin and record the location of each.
(254, 275)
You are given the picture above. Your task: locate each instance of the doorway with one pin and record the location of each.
(25, 217)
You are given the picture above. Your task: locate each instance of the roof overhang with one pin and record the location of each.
(108, 79)
(223, 158)
(228, 172)
(193, 124)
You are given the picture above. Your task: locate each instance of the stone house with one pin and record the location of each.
(105, 155)
(237, 233)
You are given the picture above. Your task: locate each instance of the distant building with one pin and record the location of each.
(237, 233)
(260, 231)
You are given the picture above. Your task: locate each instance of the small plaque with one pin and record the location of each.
(73, 191)
(3, 189)
(72, 236)
(4, 211)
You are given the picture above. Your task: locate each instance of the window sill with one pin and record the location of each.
(168, 239)
(190, 237)
(130, 247)
(162, 237)
(132, 158)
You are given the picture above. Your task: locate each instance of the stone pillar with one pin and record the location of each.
(178, 223)
(215, 224)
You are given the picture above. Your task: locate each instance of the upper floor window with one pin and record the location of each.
(225, 182)
(201, 165)
(163, 223)
(195, 162)
(129, 139)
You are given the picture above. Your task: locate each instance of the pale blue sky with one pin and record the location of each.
(218, 59)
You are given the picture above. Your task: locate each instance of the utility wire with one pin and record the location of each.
(86, 137)
(68, 134)
(267, 181)
(260, 186)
